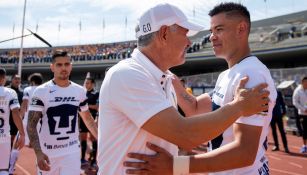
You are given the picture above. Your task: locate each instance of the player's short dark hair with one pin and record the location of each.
(304, 78)
(37, 78)
(59, 53)
(91, 79)
(15, 76)
(231, 9)
(2, 72)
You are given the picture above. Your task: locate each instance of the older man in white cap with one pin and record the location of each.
(139, 102)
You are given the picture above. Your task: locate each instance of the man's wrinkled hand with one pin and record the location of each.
(253, 100)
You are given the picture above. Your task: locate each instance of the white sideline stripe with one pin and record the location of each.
(286, 172)
(295, 164)
(273, 157)
(23, 170)
(287, 156)
(294, 157)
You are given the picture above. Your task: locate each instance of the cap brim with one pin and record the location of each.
(193, 28)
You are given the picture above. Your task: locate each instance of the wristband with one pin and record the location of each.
(181, 165)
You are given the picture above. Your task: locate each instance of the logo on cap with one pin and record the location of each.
(146, 28)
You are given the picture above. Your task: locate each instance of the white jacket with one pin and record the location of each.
(300, 100)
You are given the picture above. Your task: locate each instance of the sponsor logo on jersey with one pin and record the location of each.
(64, 99)
(217, 93)
(51, 91)
(61, 146)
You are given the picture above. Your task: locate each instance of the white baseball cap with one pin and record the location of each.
(164, 14)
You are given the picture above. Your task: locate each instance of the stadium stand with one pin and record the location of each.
(277, 41)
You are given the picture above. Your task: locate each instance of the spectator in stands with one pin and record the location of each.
(291, 32)
(261, 39)
(278, 35)
(300, 102)
(278, 112)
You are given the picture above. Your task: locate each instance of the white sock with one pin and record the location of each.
(13, 159)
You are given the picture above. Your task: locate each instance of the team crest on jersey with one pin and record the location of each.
(62, 120)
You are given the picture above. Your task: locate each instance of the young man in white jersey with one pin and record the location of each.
(57, 103)
(139, 103)
(240, 149)
(8, 103)
(35, 80)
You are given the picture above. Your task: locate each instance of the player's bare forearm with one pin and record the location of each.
(33, 119)
(23, 108)
(90, 123)
(186, 101)
(246, 143)
(17, 120)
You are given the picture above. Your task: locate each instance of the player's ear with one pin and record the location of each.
(242, 28)
(51, 67)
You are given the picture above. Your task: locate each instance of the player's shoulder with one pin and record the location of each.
(28, 89)
(251, 65)
(298, 89)
(77, 87)
(251, 62)
(8, 90)
(128, 68)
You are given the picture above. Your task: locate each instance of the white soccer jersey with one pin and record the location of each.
(27, 95)
(59, 133)
(8, 101)
(224, 92)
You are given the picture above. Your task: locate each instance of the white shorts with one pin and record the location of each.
(64, 165)
(5, 152)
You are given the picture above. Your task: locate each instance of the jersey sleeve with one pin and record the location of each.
(13, 102)
(26, 94)
(83, 101)
(136, 97)
(37, 101)
(255, 78)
